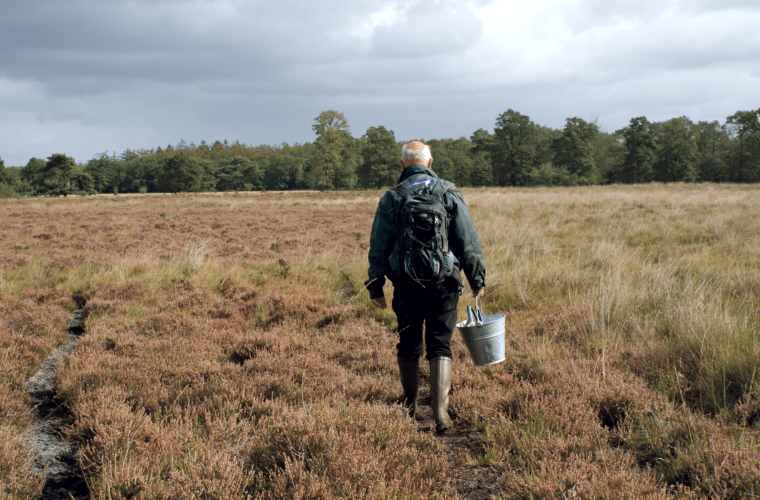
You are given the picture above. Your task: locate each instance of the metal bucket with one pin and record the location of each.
(485, 342)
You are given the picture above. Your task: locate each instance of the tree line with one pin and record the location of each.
(517, 153)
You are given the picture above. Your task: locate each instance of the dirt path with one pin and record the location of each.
(54, 459)
(471, 482)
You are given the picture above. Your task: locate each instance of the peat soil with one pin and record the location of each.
(471, 482)
(54, 460)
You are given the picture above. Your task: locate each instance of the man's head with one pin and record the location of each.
(416, 153)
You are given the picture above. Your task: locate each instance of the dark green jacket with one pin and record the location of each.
(463, 240)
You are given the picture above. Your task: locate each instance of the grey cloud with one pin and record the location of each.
(427, 29)
(90, 76)
(172, 42)
(91, 48)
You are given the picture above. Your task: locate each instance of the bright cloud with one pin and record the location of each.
(89, 76)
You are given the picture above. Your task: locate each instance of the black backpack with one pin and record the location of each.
(422, 229)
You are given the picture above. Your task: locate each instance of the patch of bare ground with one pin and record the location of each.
(470, 480)
(32, 324)
(55, 461)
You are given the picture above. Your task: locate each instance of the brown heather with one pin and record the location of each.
(230, 350)
(32, 323)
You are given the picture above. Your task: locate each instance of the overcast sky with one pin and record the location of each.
(86, 76)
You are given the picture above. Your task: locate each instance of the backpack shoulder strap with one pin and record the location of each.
(404, 191)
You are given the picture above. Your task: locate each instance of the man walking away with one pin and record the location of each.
(422, 236)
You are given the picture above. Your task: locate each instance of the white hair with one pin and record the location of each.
(422, 155)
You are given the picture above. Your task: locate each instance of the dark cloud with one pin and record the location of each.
(82, 77)
(54, 42)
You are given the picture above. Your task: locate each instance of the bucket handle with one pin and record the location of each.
(478, 312)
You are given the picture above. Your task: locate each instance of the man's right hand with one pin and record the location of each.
(478, 294)
(379, 302)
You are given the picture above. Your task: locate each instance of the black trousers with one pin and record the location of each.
(436, 308)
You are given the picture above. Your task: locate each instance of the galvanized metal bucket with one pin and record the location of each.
(485, 340)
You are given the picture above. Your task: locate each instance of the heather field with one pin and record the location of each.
(230, 350)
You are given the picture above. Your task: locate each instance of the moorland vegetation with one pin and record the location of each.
(230, 349)
(517, 153)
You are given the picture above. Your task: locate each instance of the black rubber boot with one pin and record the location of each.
(440, 385)
(410, 381)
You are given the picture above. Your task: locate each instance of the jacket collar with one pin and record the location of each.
(415, 170)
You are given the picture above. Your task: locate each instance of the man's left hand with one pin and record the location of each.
(478, 293)
(379, 302)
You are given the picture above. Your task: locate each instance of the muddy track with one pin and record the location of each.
(471, 482)
(56, 461)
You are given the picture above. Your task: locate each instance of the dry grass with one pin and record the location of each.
(230, 351)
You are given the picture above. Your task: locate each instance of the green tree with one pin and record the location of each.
(548, 174)
(253, 174)
(482, 143)
(32, 175)
(640, 152)
(99, 168)
(462, 161)
(513, 148)
(287, 166)
(677, 156)
(334, 153)
(238, 174)
(609, 153)
(544, 140)
(712, 145)
(181, 173)
(81, 183)
(575, 149)
(284, 170)
(12, 184)
(380, 158)
(62, 176)
(443, 166)
(6, 191)
(209, 174)
(482, 171)
(279, 169)
(143, 173)
(744, 155)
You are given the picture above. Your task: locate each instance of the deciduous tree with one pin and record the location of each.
(712, 146)
(513, 148)
(62, 176)
(181, 173)
(6, 191)
(238, 174)
(744, 158)
(677, 155)
(99, 168)
(639, 140)
(380, 158)
(332, 159)
(32, 174)
(443, 166)
(574, 150)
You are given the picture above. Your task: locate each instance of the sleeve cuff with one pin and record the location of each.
(375, 287)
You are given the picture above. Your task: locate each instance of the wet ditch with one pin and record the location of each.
(56, 461)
